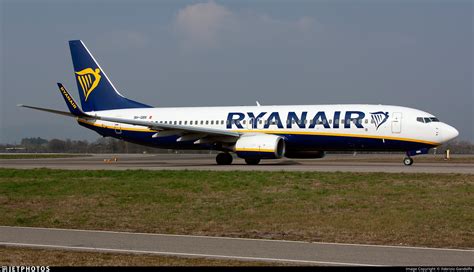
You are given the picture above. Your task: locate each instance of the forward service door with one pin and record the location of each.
(397, 122)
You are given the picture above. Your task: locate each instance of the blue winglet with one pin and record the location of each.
(71, 104)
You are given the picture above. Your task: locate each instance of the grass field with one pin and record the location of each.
(42, 257)
(40, 156)
(373, 208)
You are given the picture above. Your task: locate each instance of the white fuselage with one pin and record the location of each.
(351, 121)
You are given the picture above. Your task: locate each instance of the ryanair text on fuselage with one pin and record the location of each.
(235, 119)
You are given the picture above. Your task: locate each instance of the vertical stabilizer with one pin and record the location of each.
(95, 89)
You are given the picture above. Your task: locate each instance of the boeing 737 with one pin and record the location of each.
(252, 133)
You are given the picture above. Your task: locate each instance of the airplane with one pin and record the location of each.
(253, 133)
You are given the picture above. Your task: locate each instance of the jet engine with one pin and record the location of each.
(260, 146)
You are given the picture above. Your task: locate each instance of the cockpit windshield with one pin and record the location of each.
(427, 119)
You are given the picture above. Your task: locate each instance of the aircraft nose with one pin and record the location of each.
(449, 132)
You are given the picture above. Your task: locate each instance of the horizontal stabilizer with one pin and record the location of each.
(74, 110)
(48, 110)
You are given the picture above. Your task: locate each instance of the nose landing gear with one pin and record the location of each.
(407, 161)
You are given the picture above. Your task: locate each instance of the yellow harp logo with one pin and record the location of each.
(89, 79)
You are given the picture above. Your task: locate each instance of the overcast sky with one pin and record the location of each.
(211, 53)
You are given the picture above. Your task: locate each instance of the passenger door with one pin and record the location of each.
(397, 122)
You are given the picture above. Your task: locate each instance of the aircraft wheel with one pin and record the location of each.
(252, 161)
(407, 161)
(224, 159)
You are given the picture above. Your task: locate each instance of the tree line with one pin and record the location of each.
(111, 145)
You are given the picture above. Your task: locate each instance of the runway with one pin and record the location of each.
(331, 163)
(233, 248)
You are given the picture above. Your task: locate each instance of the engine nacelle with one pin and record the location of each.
(305, 154)
(261, 146)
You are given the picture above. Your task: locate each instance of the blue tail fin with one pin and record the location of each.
(95, 89)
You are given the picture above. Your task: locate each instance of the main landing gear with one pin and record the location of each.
(252, 161)
(407, 161)
(224, 159)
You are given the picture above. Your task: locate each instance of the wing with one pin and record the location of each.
(170, 129)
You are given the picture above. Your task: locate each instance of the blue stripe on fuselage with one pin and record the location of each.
(293, 141)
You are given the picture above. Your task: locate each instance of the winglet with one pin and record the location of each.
(71, 104)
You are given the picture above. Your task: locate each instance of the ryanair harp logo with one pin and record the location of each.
(88, 79)
(379, 118)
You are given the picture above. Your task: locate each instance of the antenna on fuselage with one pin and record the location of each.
(258, 103)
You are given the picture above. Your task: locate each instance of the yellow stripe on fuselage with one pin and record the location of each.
(255, 150)
(284, 132)
(337, 135)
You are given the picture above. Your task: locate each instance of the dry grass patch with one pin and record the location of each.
(45, 257)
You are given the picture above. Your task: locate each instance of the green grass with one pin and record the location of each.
(379, 208)
(40, 156)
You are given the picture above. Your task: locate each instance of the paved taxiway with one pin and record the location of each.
(331, 163)
(234, 248)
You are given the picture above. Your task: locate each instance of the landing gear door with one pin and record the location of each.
(397, 122)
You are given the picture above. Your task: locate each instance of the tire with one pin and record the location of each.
(224, 159)
(252, 161)
(407, 161)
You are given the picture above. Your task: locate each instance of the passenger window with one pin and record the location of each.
(260, 121)
(186, 122)
(330, 121)
(366, 121)
(212, 122)
(207, 122)
(243, 122)
(342, 121)
(202, 122)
